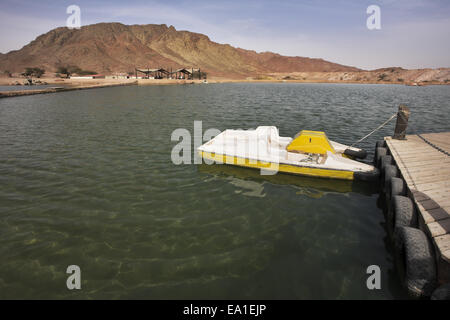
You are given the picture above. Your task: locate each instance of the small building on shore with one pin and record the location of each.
(118, 76)
(90, 76)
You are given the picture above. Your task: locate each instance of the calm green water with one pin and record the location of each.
(86, 179)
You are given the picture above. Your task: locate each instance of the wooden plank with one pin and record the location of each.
(433, 136)
(429, 136)
(420, 171)
(443, 202)
(435, 139)
(402, 144)
(439, 228)
(412, 142)
(427, 187)
(428, 156)
(423, 155)
(446, 255)
(423, 163)
(436, 135)
(409, 148)
(406, 145)
(436, 195)
(428, 153)
(417, 171)
(429, 173)
(431, 185)
(425, 179)
(437, 174)
(418, 195)
(416, 149)
(443, 244)
(443, 145)
(429, 204)
(433, 215)
(443, 133)
(424, 147)
(440, 142)
(424, 170)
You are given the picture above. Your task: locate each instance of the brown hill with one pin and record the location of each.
(114, 47)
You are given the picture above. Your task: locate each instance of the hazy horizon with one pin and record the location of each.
(412, 33)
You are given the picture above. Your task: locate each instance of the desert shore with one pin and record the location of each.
(60, 85)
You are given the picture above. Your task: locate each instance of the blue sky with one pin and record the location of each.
(414, 33)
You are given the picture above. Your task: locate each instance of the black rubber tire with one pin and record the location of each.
(385, 160)
(442, 292)
(380, 144)
(372, 176)
(404, 213)
(415, 257)
(401, 213)
(360, 154)
(389, 171)
(390, 220)
(397, 187)
(379, 152)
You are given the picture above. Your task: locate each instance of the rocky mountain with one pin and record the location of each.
(114, 47)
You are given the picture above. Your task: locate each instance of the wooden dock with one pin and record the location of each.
(424, 164)
(17, 93)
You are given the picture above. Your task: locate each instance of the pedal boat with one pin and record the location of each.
(309, 153)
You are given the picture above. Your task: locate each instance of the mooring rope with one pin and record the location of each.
(381, 126)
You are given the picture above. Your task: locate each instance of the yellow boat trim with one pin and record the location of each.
(307, 141)
(300, 170)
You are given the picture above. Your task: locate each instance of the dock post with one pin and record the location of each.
(402, 122)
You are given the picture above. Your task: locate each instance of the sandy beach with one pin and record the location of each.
(60, 84)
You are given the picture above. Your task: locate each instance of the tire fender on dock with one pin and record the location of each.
(396, 187)
(404, 213)
(442, 292)
(400, 213)
(380, 144)
(379, 152)
(390, 171)
(385, 160)
(417, 265)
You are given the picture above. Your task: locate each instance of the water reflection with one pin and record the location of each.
(253, 182)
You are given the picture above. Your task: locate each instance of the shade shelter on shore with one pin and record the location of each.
(158, 73)
(184, 73)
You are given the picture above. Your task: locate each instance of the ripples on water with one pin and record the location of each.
(86, 179)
